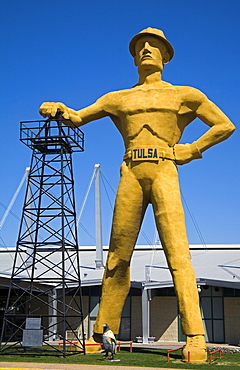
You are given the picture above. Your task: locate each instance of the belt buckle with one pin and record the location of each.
(145, 154)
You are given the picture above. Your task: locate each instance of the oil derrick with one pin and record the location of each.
(44, 303)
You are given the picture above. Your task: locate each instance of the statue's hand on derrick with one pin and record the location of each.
(185, 153)
(49, 109)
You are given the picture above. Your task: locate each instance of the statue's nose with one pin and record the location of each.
(146, 47)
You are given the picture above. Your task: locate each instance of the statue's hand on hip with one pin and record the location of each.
(185, 153)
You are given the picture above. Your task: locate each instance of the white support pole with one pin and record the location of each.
(52, 312)
(99, 249)
(145, 315)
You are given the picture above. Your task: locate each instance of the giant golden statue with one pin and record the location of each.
(151, 117)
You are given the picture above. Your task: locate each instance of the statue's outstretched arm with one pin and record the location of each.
(80, 117)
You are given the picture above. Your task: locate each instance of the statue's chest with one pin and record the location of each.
(149, 101)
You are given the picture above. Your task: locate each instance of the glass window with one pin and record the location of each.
(209, 333)
(90, 328)
(206, 307)
(166, 292)
(212, 313)
(94, 305)
(218, 331)
(127, 308)
(125, 332)
(217, 306)
(228, 292)
(135, 292)
(125, 327)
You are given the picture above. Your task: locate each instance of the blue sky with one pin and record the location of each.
(77, 50)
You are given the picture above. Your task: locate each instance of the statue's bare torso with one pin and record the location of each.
(154, 115)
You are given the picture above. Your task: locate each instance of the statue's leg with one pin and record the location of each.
(128, 214)
(170, 223)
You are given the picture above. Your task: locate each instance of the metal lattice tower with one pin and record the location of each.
(44, 302)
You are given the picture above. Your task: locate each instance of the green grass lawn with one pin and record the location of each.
(139, 357)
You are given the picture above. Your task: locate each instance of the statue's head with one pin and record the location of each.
(150, 47)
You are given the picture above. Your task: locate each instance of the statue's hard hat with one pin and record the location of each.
(154, 32)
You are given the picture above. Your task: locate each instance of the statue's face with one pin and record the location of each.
(150, 53)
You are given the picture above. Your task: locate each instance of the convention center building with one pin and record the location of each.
(151, 312)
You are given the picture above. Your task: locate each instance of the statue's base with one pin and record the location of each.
(108, 360)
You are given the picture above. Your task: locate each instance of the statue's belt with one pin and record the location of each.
(149, 154)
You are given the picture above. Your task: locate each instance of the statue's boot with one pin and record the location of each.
(196, 346)
(92, 346)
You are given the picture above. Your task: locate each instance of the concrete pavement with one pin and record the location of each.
(38, 366)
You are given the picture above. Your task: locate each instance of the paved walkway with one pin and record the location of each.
(38, 366)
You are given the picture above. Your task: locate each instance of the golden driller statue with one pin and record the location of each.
(151, 117)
